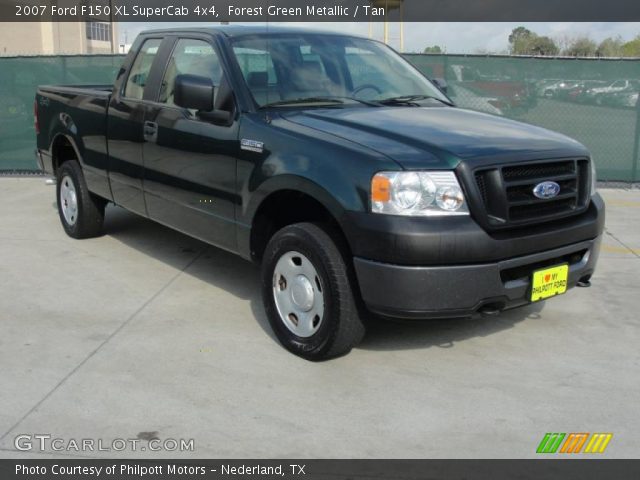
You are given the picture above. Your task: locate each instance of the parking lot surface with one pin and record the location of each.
(148, 334)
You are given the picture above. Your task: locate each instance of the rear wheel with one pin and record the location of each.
(81, 212)
(308, 295)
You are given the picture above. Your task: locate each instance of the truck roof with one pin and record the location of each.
(240, 30)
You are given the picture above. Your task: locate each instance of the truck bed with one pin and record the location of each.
(77, 112)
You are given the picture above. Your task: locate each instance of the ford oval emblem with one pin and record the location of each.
(546, 190)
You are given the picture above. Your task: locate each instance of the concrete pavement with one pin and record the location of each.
(146, 333)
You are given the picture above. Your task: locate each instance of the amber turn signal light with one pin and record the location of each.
(380, 189)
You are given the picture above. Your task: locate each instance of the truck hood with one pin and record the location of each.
(437, 137)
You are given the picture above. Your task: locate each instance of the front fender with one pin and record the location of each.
(335, 171)
(295, 183)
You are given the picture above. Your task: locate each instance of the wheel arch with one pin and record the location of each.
(63, 148)
(290, 201)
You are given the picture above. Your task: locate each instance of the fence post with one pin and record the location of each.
(636, 147)
(445, 67)
(64, 70)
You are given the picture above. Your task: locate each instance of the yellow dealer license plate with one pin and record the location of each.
(549, 282)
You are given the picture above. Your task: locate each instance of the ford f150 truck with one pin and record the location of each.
(331, 160)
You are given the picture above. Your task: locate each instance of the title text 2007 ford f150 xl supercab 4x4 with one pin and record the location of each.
(328, 158)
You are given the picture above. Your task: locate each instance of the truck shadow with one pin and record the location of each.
(241, 279)
(385, 334)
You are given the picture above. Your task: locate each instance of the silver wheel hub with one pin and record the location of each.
(298, 294)
(68, 200)
(302, 293)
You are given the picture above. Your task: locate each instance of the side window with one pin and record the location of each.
(140, 69)
(192, 57)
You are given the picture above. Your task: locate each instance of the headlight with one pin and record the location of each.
(594, 176)
(419, 194)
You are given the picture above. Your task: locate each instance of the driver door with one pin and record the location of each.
(190, 163)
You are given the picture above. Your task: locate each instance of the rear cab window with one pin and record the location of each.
(139, 74)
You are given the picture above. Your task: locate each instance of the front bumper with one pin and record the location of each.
(463, 290)
(460, 240)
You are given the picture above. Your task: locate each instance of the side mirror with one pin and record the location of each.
(194, 92)
(441, 83)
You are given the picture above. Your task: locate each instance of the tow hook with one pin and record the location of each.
(490, 311)
(584, 282)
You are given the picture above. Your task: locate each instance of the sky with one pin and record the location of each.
(482, 37)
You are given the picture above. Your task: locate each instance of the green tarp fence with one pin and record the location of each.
(594, 101)
(19, 78)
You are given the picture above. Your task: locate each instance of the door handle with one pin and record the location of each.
(150, 131)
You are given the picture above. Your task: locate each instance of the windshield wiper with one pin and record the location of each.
(411, 100)
(299, 101)
(332, 100)
(371, 103)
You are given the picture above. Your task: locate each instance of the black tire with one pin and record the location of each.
(340, 328)
(89, 215)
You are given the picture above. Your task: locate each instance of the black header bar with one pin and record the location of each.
(564, 469)
(319, 10)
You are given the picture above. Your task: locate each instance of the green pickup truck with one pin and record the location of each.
(331, 160)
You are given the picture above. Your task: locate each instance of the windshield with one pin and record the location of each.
(287, 69)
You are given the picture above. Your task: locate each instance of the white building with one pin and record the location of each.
(57, 38)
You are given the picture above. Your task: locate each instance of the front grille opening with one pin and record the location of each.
(525, 271)
(482, 187)
(544, 209)
(526, 172)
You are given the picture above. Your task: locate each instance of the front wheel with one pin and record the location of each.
(308, 294)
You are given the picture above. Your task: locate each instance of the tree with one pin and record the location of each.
(581, 47)
(520, 41)
(520, 33)
(563, 42)
(610, 47)
(523, 41)
(632, 48)
(543, 46)
(433, 49)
